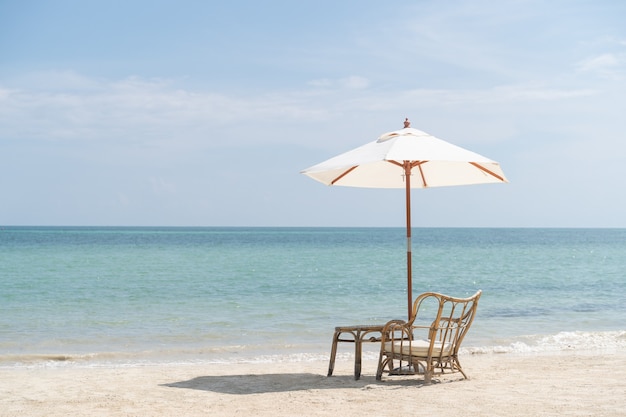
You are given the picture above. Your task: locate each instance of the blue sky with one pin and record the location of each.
(202, 113)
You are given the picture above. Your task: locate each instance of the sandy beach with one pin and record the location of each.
(548, 384)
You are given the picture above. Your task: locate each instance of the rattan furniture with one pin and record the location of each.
(357, 335)
(429, 342)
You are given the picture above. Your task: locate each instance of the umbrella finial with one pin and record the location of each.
(407, 123)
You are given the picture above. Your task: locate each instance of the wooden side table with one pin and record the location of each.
(358, 334)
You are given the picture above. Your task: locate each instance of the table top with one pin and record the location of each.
(360, 327)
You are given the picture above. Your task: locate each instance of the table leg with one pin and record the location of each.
(358, 333)
(333, 353)
(357, 356)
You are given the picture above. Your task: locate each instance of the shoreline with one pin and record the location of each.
(540, 384)
(598, 342)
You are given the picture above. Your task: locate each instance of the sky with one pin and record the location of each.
(203, 113)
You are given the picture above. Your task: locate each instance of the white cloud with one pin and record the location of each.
(134, 108)
(320, 82)
(353, 82)
(608, 65)
(356, 83)
(497, 95)
(138, 114)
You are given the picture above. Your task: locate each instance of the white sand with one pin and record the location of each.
(564, 384)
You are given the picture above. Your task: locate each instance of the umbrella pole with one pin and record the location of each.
(409, 266)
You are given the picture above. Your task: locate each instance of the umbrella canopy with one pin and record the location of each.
(407, 158)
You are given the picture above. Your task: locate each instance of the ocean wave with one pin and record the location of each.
(562, 341)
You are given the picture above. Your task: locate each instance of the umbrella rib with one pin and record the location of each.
(419, 165)
(482, 168)
(343, 175)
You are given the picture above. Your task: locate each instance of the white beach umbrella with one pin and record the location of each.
(407, 158)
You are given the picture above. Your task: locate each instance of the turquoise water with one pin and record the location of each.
(131, 295)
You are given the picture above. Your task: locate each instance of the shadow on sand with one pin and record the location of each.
(268, 383)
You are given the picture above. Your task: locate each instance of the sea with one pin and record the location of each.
(131, 296)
